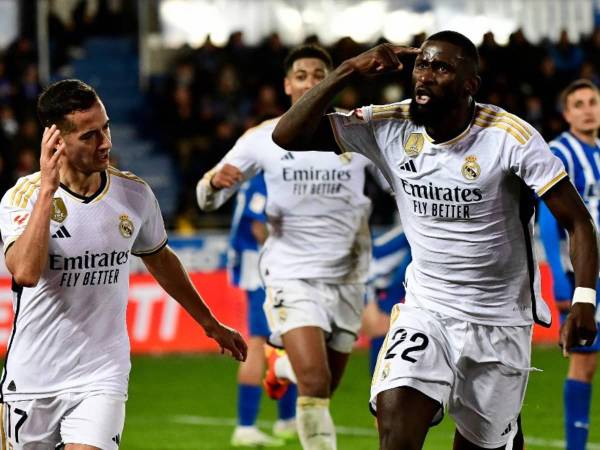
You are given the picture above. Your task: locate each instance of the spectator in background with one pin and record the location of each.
(8, 121)
(548, 84)
(28, 89)
(266, 105)
(6, 87)
(591, 47)
(566, 56)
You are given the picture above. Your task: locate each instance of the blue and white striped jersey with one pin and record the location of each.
(242, 255)
(391, 255)
(582, 163)
(390, 258)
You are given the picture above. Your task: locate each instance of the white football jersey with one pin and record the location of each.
(69, 333)
(316, 208)
(467, 208)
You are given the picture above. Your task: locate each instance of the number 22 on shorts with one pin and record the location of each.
(399, 337)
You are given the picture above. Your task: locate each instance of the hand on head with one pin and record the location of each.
(50, 155)
(382, 59)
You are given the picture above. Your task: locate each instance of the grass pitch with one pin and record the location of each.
(189, 402)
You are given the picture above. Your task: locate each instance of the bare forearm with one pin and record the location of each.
(28, 256)
(584, 254)
(173, 278)
(297, 128)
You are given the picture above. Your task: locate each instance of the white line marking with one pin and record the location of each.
(530, 441)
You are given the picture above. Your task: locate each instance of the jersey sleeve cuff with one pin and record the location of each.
(151, 251)
(562, 174)
(334, 126)
(9, 243)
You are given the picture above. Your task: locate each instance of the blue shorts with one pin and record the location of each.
(257, 321)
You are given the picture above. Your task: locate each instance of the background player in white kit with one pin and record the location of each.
(315, 259)
(68, 233)
(462, 339)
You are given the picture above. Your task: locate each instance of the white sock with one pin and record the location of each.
(315, 426)
(283, 369)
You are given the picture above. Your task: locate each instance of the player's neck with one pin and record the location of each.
(452, 124)
(589, 137)
(80, 183)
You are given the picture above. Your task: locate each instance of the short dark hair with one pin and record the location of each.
(62, 98)
(307, 51)
(582, 83)
(469, 51)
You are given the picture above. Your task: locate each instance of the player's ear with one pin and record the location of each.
(60, 143)
(472, 85)
(287, 86)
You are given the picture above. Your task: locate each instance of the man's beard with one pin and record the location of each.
(432, 113)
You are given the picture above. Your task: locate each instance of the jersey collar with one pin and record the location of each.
(104, 183)
(454, 140)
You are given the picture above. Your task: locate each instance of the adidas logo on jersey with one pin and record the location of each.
(116, 439)
(288, 155)
(62, 233)
(12, 386)
(409, 166)
(507, 430)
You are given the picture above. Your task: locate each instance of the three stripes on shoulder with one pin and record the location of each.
(485, 117)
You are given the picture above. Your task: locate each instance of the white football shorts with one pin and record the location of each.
(335, 308)
(477, 372)
(95, 419)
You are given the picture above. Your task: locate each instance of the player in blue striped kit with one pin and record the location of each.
(579, 150)
(248, 232)
(390, 257)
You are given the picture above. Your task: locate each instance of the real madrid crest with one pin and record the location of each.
(125, 226)
(59, 210)
(282, 314)
(470, 168)
(386, 371)
(414, 144)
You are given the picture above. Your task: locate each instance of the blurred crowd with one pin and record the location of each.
(212, 94)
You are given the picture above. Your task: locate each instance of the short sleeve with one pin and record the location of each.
(152, 236)
(535, 164)
(353, 131)
(564, 154)
(15, 210)
(245, 154)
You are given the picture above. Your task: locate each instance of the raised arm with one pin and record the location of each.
(27, 257)
(305, 127)
(566, 205)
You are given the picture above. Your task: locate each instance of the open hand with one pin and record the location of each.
(231, 341)
(382, 59)
(226, 177)
(579, 328)
(50, 155)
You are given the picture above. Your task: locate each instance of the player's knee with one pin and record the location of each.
(583, 367)
(392, 438)
(314, 383)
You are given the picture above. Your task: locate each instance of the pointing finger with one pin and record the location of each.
(402, 50)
